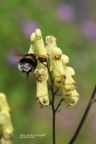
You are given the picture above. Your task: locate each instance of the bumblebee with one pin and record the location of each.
(27, 64)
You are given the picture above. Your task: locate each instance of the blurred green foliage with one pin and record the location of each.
(27, 117)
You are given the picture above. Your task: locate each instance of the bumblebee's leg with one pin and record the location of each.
(27, 76)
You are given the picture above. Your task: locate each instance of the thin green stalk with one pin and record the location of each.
(54, 126)
(53, 107)
(53, 113)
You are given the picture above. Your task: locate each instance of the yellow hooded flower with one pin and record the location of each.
(38, 45)
(70, 99)
(41, 75)
(61, 72)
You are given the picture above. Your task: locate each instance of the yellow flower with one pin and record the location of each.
(58, 62)
(61, 72)
(38, 45)
(70, 99)
(41, 75)
(55, 54)
(67, 82)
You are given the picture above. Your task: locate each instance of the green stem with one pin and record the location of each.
(54, 110)
(53, 114)
(54, 134)
(53, 107)
(58, 105)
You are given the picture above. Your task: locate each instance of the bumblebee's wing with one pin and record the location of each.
(18, 52)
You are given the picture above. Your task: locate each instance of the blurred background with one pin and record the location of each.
(73, 23)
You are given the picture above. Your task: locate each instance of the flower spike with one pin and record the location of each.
(50, 60)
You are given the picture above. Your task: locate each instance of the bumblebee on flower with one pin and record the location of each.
(51, 65)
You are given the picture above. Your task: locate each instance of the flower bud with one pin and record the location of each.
(71, 71)
(51, 40)
(65, 59)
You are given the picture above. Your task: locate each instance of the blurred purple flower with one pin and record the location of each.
(28, 26)
(11, 58)
(65, 12)
(88, 28)
(68, 118)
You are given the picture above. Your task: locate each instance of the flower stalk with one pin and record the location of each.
(51, 70)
